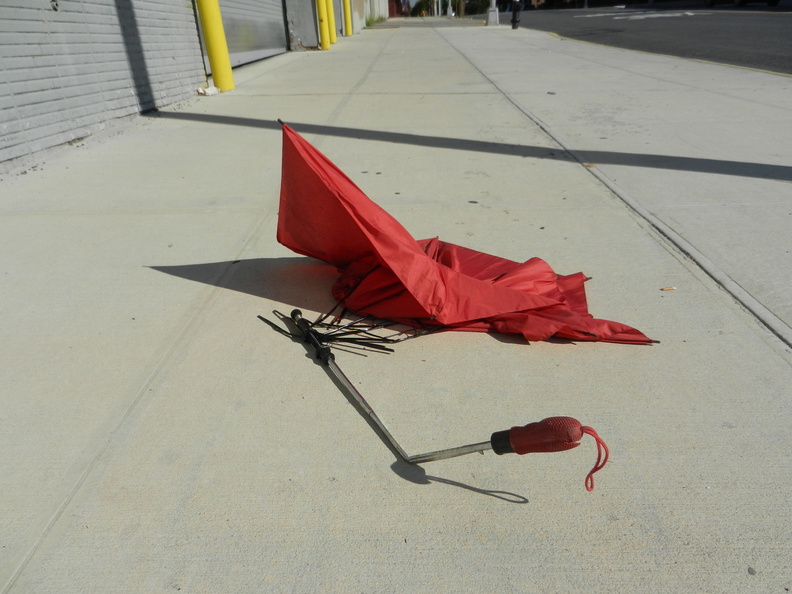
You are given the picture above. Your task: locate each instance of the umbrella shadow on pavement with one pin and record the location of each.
(296, 281)
(416, 474)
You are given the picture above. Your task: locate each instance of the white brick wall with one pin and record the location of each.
(65, 72)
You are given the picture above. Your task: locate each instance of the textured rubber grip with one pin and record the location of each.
(554, 434)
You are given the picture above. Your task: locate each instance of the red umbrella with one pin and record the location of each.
(387, 274)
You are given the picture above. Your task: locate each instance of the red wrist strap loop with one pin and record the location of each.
(557, 434)
(602, 457)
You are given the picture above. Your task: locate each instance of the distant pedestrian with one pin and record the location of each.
(515, 10)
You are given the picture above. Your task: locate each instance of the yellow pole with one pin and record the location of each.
(324, 30)
(216, 44)
(331, 21)
(348, 18)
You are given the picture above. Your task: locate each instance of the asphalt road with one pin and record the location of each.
(754, 36)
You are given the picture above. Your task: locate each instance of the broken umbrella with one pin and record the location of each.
(430, 284)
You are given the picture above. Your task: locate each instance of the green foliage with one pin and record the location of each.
(371, 21)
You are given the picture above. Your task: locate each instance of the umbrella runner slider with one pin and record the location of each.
(553, 434)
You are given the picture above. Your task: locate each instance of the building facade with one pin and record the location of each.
(67, 67)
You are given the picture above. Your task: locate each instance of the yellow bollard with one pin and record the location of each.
(348, 18)
(324, 30)
(331, 21)
(216, 44)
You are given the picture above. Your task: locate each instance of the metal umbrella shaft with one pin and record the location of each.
(344, 381)
(553, 434)
(325, 355)
(451, 452)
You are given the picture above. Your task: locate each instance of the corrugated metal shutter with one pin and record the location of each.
(66, 67)
(254, 29)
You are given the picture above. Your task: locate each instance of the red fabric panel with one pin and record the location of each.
(387, 274)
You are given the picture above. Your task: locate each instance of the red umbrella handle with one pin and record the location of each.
(554, 434)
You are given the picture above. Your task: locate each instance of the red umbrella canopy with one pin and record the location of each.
(386, 273)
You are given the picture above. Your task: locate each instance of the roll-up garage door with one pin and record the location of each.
(254, 29)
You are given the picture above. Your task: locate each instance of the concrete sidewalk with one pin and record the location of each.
(701, 152)
(159, 437)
